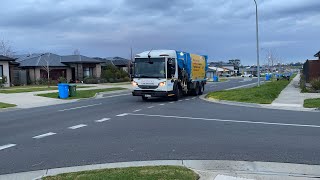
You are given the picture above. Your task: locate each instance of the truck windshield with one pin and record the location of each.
(150, 68)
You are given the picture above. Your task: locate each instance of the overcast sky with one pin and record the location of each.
(222, 29)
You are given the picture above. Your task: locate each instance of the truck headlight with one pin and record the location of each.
(134, 83)
(162, 84)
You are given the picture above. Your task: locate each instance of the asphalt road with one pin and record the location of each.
(120, 128)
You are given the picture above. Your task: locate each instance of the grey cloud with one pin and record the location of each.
(222, 29)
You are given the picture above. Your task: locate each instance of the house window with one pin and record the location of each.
(87, 72)
(1, 70)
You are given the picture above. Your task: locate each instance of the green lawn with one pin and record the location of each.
(23, 89)
(312, 103)
(83, 93)
(132, 173)
(6, 105)
(264, 94)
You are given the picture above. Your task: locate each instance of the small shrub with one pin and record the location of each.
(44, 81)
(3, 81)
(126, 79)
(315, 84)
(111, 80)
(62, 80)
(91, 80)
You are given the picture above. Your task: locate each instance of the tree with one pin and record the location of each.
(5, 48)
(76, 52)
(46, 65)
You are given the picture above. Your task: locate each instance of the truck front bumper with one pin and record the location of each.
(152, 93)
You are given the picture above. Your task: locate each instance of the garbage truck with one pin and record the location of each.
(168, 73)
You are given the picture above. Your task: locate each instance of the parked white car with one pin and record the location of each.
(246, 75)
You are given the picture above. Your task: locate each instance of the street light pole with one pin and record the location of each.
(257, 34)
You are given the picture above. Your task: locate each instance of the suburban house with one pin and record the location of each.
(119, 62)
(311, 68)
(29, 68)
(6, 64)
(228, 68)
(72, 67)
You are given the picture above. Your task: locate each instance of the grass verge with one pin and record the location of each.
(6, 105)
(264, 94)
(312, 103)
(83, 93)
(24, 89)
(132, 173)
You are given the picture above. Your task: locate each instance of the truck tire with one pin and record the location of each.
(144, 98)
(177, 93)
(195, 92)
(200, 91)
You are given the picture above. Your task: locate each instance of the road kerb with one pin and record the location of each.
(254, 105)
(211, 168)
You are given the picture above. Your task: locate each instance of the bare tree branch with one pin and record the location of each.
(5, 48)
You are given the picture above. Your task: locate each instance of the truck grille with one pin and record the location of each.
(147, 87)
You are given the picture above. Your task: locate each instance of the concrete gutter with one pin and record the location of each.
(207, 169)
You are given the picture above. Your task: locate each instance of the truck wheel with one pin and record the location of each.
(144, 98)
(201, 90)
(177, 93)
(196, 91)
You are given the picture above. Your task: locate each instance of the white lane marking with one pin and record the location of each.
(150, 107)
(161, 104)
(121, 115)
(180, 100)
(137, 110)
(171, 102)
(80, 107)
(77, 126)
(241, 86)
(187, 99)
(102, 120)
(232, 121)
(7, 146)
(193, 98)
(44, 135)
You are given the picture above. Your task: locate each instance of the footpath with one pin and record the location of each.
(31, 100)
(206, 169)
(291, 96)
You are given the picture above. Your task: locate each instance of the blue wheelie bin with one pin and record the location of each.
(268, 76)
(63, 90)
(215, 79)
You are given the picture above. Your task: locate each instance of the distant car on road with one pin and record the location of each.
(225, 75)
(246, 75)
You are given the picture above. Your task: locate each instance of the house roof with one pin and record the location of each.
(22, 57)
(317, 54)
(41, 60)
(5, 58)
(116, 61)
(79, 59)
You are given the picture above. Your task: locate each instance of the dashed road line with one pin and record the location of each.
(80, 107)
(102, 120)
(231, 121)
(161, 104)
(44, 135)
(180, 100)
(7, 146)
(187, 99)
(150, 107)
(77, 126)
(193, 98)
(171, 102)
(121, 115)
(137, 110)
